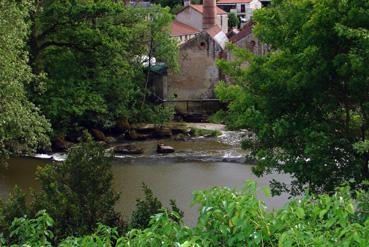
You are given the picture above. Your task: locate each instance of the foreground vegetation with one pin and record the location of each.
(229, 218)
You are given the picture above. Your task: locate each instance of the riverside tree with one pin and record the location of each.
(308, 99)
(92, 53)
(78, 193)
(23, 129)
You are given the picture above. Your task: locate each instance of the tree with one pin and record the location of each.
(172, 4)
(78, 193)
(308, 99)
(92, 55)
(233, 20)
(149, 206)
(23, 129)
(145, 208)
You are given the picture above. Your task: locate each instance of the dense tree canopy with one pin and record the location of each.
(22, 128)
(307, 100)
(92, 53)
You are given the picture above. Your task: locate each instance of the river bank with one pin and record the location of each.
(213, 143)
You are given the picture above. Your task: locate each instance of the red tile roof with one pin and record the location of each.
(244, 31)
(180, 29)
(198, 8)
(233, 1)
(214, 30)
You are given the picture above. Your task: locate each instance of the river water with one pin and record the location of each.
(197, 164)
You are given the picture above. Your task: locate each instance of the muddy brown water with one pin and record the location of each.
(170, 177)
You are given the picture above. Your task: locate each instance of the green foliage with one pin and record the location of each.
(172, 4)
(148, 207)
(307, 100)
(14, 207)
(23, 129)
(236, 218)
(145, 208)
(205, 132)
(104, 236)
(92, 53)
(78, 193)
(33, 232)
(233, 20)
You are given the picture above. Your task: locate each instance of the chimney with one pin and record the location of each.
(186, 3)
(209, 14)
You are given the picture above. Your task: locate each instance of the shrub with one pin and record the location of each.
(148, 207)
(236, 218)
(78, 192)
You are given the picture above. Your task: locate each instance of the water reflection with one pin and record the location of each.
(167, 179)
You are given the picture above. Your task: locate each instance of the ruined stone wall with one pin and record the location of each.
(198, 73)
(251, 43)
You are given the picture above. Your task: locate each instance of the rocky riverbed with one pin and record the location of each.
(180, 141)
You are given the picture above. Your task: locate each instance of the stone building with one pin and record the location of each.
(246, 39)
(198, 72)
(199, 29)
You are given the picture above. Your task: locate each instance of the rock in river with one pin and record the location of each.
(128, 149)
(59, 144)
(162, 149)
(98, 135)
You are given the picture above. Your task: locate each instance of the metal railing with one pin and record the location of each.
(195, 106)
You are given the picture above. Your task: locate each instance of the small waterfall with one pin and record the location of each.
(234, 138)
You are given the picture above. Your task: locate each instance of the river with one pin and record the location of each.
(198, 164)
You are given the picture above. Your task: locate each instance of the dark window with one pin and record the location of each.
(227, 8)
(242, 8)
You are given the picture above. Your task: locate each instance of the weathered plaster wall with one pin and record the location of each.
(190, 17)
(222, 22)
(198, 73)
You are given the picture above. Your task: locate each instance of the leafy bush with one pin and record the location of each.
(33, 232)
(233, 20)
(14, 207)
(236, 218)
(78, 193)
(145, 208)
(148, 207)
